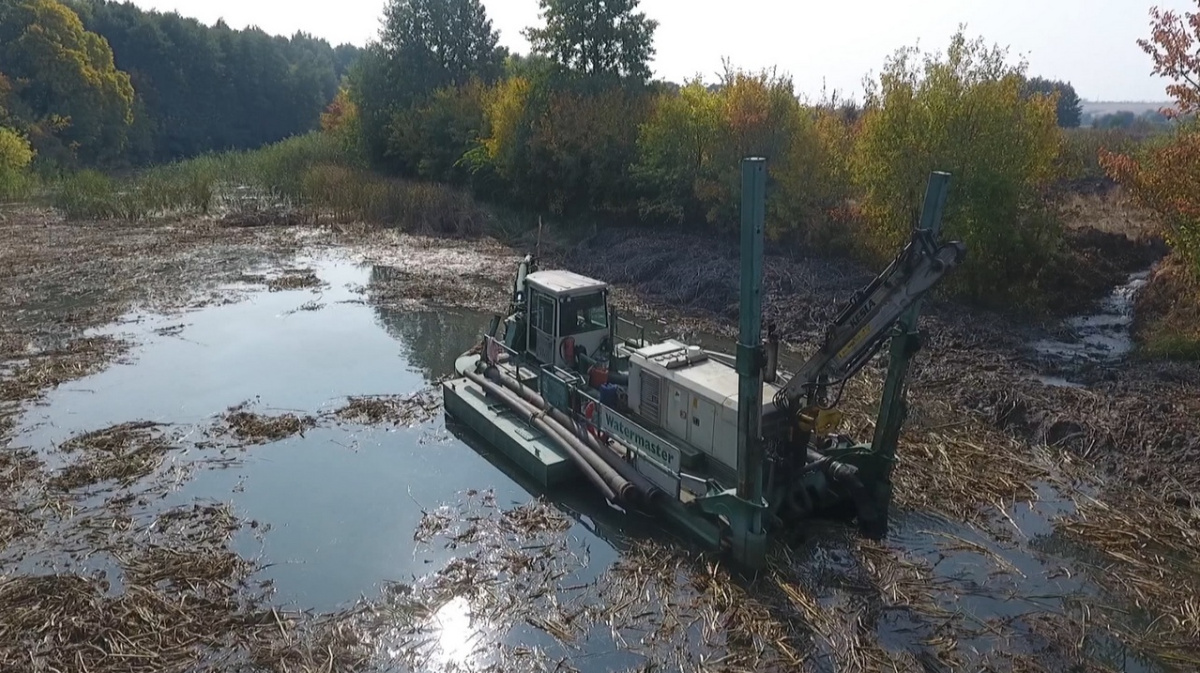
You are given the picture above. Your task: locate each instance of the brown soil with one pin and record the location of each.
(1168, 313)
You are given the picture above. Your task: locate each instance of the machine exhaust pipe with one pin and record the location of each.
(771, 370)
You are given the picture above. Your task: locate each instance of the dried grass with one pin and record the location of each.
(1151, 557)
(408, 410)
(19, 468)
(180, 602)
(294, 279)
(254, 428)
(79, 358)
(122, 453)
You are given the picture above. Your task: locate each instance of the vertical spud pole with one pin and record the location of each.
(750, 360)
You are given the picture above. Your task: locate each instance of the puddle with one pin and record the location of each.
(339, 504)
(1099, 338)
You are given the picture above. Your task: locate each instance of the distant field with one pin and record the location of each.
(1110, 107)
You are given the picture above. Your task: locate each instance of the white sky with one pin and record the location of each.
(1091, 43)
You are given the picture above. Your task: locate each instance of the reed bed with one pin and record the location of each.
(307, 180)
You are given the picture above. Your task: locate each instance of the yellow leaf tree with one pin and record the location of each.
(964, 112)
(65, 87)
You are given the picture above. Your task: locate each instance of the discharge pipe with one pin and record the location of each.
(642, 486)
(611, 484)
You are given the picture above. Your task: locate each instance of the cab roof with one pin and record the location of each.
(564, 283)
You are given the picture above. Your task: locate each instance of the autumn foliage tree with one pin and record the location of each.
(1165, 175)
(73, 100)
(963, 112)
(690, 147)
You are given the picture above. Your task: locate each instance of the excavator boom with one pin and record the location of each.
(865, 323)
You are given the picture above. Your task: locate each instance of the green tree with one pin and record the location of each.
(425, 46)
(963, 112)
(434, 44)
(677, 149)
(15, 156)
(430, 139)
(203, 88)
(1069, 108)
(66, 87)
(596, 39)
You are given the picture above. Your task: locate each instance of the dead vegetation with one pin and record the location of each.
(407, 410)
(1148, 556)
(123, 453)
(255, 428)
(178, 603)
(979, 438)
(294, 279)
(48, 369)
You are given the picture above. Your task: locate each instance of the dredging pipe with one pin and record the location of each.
(611, 484)
(643, 487)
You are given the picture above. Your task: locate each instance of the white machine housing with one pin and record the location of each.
(690, 396)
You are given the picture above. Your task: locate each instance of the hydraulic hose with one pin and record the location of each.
(643, 486)
(608, 481)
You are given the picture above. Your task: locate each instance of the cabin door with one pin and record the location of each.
(541, 335)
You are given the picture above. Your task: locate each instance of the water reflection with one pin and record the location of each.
(432, 340)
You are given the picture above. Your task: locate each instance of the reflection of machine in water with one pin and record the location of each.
(433, 339)
(725, 446)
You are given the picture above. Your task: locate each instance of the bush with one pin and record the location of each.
(964, 113)
(15, 157)
(1081, 151)
(690, 150)
(1164, 175)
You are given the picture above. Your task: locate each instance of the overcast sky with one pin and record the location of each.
(1091, 43)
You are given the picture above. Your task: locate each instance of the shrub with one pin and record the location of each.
(692, 143)
(15, 157)
(962, 112)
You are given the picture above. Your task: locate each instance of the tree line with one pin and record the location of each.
(579, 128)
(97, 83)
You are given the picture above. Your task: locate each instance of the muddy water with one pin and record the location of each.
(338, 505)
(1089, 341)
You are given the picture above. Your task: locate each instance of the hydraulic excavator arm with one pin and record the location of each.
(866, 322)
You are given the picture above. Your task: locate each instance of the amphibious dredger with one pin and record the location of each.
(725, 446)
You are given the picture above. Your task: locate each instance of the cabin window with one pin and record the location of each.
(583, 314)
(543, 317)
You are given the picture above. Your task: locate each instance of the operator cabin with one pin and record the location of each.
(576, 304)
